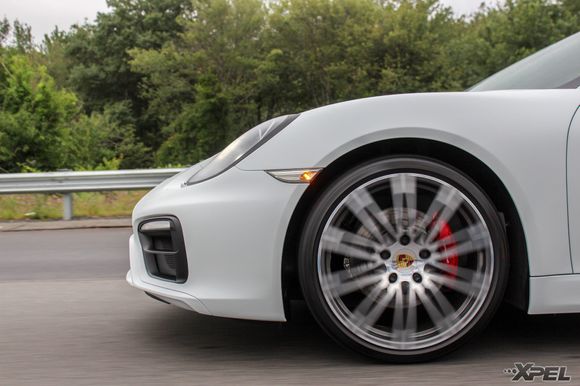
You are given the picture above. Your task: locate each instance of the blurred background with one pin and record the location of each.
(123, 84)
(153, 83)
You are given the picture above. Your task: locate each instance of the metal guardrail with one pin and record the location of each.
(68, 182)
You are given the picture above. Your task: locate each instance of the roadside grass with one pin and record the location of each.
(49, 206)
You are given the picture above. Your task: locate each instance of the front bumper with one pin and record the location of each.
(179, 299)
(234, 227)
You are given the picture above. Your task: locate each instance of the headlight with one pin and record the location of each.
(241, 147)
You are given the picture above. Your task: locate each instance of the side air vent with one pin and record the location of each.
(163, 248)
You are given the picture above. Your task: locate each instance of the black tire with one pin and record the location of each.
(326, 205)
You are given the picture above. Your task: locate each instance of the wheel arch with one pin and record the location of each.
(477, 170)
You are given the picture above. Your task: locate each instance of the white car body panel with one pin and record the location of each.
(554, 294)
(573, 170)
(234, 224)
(234, 227)
(520, 135)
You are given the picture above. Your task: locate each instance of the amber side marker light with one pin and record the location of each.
(295, 176)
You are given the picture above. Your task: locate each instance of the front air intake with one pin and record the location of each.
(163, 248)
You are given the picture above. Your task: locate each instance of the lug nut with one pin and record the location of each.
(425, 254)
(405, 287)
(417, 277)
(393, 277)
(385, 255)
(405, 240)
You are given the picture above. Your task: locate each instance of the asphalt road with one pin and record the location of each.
(67, 317)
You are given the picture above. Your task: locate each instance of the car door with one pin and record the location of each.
(573, 175)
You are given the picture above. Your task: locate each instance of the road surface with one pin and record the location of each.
(67, 317)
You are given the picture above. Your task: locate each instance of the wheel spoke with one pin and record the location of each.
(341, 283)
(405, 315)
(442, 208)
(404, 195)
(411, 324)
(361, 269)
(447, 310)
(466, 274)
(476, 232)
(348, 244)
(375, 312)
(444, 305)
(398, 314)
(360, 314)
(345, 275)
(439, 319)
(344, 236)
(461, 286)
(462, 249)
(367, 211)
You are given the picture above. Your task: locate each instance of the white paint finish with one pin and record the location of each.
(234, 228)
(520, 135)
(554, 294)
(574, 190)
(235, 223)
(135, 275)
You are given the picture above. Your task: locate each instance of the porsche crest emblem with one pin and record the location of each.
(404, 260)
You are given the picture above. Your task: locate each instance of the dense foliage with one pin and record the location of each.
(160, 82)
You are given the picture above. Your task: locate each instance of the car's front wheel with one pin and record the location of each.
(403, 259)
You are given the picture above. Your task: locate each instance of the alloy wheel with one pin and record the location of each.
(405, 261)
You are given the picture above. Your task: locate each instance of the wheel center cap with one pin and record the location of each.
(403, 261)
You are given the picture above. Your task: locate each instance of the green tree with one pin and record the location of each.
(107, 140)
(53, 56)
(202, 86)
(503, 35)
(572, 6)
(322, 51)
(34, 117)
(415, 47)
(173, 81)
(22, 34)
(4, 31)
(42, 126)
(100, 72)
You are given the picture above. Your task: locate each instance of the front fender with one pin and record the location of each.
(520, 135)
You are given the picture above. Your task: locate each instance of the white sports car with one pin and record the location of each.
(403, 221)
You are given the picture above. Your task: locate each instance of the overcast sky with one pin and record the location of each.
(44, 15)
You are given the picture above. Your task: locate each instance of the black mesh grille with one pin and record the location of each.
(163, 248)
(171, 262)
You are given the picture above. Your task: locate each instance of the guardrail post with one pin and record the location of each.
(67, 206)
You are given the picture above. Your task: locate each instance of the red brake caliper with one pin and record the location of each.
(452, 260)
